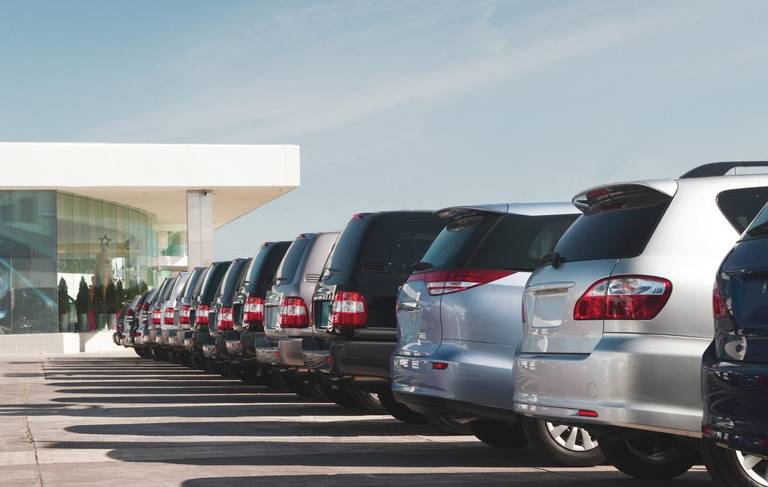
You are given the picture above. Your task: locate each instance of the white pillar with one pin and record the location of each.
(199, 228)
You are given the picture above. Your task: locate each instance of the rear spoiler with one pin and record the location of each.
(720, 168)
(632, 193)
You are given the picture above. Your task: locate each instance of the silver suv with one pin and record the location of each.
(617, 322)
(459, 322)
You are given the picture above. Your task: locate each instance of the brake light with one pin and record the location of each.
(587, 413)
(201, 315)
(293, 313)
(186, 311)
(446, 282)
(439, 365)
(349, 309)
(623, 298)
(225, 321)
(157, 316)
(254, 310)
(169, 315)
(718, 303)
(145, 307)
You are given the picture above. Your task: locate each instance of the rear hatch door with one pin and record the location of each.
(617, 223)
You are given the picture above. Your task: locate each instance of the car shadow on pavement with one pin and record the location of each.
(485, 479)
(180, 411)
(340, 428)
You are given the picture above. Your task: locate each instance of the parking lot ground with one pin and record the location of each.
(101, 420)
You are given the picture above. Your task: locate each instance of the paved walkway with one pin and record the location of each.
(101, 420)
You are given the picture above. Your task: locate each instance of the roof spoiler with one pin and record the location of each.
(720, 168)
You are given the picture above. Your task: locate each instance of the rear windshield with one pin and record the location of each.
(212, 281)
(233, 279)
(739, 206)
(290, 263)
(616, 226)
(386, 243)
(496, 241)
(167, 288)
(263, 267)
(193, 283)
(759, 227)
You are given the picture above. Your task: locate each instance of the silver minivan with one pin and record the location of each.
(617, 322)
(459, 321)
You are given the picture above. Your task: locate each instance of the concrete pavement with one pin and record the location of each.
(96, 420)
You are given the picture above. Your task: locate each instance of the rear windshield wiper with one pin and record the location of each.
(554, 259)
(761, 229)
(422, 266)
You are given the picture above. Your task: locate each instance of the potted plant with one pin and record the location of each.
(81, 305)
(63, 302)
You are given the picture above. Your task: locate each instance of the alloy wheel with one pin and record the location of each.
(754, 466)
(572, 438)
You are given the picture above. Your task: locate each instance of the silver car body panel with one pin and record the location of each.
(641, 374)
(475, 331)
(303, 286)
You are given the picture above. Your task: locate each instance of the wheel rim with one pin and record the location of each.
(572, 438)
(754, 466)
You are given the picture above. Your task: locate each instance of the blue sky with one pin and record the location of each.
(411, 104)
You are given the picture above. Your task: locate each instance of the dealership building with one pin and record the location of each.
(84, 227)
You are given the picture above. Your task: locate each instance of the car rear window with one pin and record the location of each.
(263, 267)
(232, 279)
(759, 226)
(290, 263)
(212, 281)
(617, 223)
(739, 206)
(193, 289)
(496, 241)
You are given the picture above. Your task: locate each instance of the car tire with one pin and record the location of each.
(651, 456)
(140, 352)
(399, 410)
(368, 400)
(499, 434)
(730, 468)
(450, 424)
(556, 442)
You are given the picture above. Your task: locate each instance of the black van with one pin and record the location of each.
(355, 328)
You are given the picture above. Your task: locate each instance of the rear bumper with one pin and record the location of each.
(650, 382)
(362, 360)
(291, 352)
(735, 413)
(430, 405)
(477, 373)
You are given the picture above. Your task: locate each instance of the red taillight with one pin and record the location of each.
(718, 303)
(169, 315)
(440, 365)
(349, 309)
(145, 307)
(623, 298)
(293, 313)
(254, 310)
(225, 321)
(157, 316)
(445, 282)
(201, 314)
(186, 311)
(587, 413)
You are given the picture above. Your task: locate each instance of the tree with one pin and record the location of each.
(110, 298)
(63, 297)
(81, 302)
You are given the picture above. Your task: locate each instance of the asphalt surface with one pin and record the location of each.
(101, 420)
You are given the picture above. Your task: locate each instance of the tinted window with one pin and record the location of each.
(199, 283)
(290, 263)
(759, 227)
(739, 206)
(492, 241)
(232, 279)
(346, 247)
(616, 224)
(263, 267)
(395, 242)
(212, 281)
(193, 283)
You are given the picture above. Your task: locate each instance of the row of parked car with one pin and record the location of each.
(581, 329)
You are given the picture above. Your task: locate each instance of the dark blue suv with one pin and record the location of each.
(735, 375)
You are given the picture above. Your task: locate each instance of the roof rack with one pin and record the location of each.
(720, 168)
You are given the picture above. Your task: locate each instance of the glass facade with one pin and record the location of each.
(68, 262)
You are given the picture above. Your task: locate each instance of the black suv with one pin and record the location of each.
(201, 314)
(355, 328)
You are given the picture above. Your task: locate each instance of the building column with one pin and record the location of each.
(199, 228)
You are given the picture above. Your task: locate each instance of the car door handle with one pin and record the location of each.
(409, 306)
